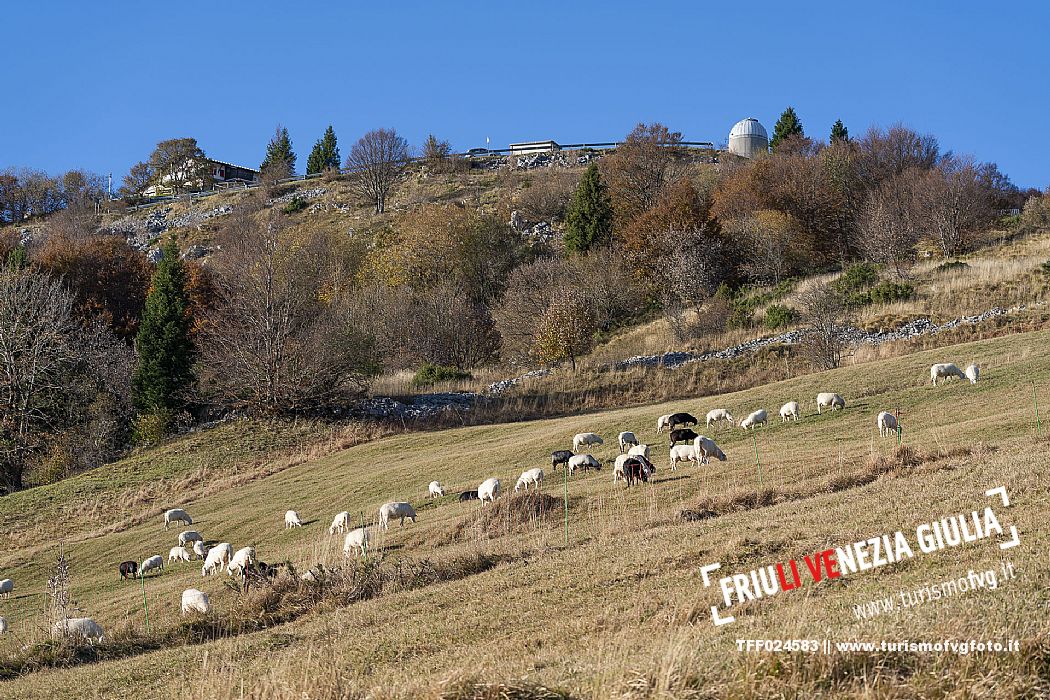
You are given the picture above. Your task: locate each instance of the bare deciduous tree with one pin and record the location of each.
(826, 319)
(375, 162)
(641, 167)
(891, 222)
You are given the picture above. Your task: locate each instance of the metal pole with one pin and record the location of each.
(145, 607)
(361, 519)
(754, 439)
(565, 500)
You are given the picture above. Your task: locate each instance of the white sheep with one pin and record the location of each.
(583, 462)
(706, 448)
(719, 414)
(188, 536)
(241, 560)
(887, 423)
(340, 523)
(179, 553)
(436, 490)
(682, 453)
(790, 411)
(396, 509)
(639, 451)
(529, 477)
(662, 423)
(758, 417)
(200, 549)
(618, 467)
(218, 557)
(356, 539)
(585, 439)
(972, 373)
(291, 519)
(3, 625)
(488, 490)
(627, 438)
(176, 515)
(151, 563)
(945, 370)
(83, 627)
(6, 586)
(830, 400)
(195, 601)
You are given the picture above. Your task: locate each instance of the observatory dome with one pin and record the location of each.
(748, 138)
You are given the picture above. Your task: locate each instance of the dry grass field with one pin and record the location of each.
(498, 602)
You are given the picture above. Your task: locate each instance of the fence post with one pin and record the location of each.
(565, 500)
(900, 430)
(145, 607)
(364, 535)
(1035, 402)
(758, 462)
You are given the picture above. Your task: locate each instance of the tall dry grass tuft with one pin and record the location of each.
(510, 514)
(473, 689)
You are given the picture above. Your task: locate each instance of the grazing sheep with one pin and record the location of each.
(396, 509)
(195, 601)
(972, 373)
(662, 423)
(830, 400)
(529, 477)
(682, 435)
(637, 469)
(719, 414)
(340, 523)
(151, 563)
(6, 587)
(179, 553)
(583, 462)
(356, 539)
(561, 457)
(627, 438)
(682, 453)
(489, 490)
(128, 569)
(83, 627)
(218, 557)
(637, 450)
(435, 489)
(468, 496)
(188, 536)
(200, 549)
(758, 417)
(241, 560)
(291, 519)
(706, 448)
(176, 515)
(618, 467)
(3, 625)
(683, 419)
(585, 439)
(790, 411)
(945, 370)
(887, 423)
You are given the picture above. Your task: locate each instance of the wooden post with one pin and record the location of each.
(145, 607)
(1035, 402)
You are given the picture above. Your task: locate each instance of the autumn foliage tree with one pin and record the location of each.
(641, 167)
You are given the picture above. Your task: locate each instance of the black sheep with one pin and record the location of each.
(128, 569)
(561, 457)
(677, 419)
(468, 496)
(683, 435)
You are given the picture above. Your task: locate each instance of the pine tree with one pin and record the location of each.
(589, 218)
(788, 125)
(164, 371)
(279, 154)
(839, 132)
(325, 153)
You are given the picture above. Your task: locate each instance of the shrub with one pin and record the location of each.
(779, 316)
(857, 278)
(297, 203)
(885, 292)
(1045, 267)
(429, 374)
(151, 428)
(951, 265)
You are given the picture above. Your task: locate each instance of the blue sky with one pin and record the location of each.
(96, 85)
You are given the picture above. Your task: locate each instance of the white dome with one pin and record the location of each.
(748, 138)
(748, 127)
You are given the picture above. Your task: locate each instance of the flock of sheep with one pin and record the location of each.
(632, 466)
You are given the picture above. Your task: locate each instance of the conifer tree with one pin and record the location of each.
(280, 158)
(839, 132)
(325, 153)
(589, 218)
(164, 371)
(788, 125)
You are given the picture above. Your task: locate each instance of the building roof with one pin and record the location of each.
(748, 127)
(232, 165)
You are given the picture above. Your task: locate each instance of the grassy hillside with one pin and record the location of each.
(617, 611)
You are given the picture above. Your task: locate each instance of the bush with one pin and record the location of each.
(779, 316)
(857, 278)
(297, 203)
(951, 265)
(151, 428)
(429, 374)
(1045, 267)
(885, 292)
